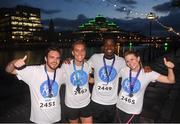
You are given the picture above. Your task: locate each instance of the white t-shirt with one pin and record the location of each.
(133, 105)
(105, 92)
(43, 108)
(73, 98)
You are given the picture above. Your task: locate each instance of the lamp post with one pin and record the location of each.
(150, 16)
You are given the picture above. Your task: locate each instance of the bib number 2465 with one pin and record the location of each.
(128, 99)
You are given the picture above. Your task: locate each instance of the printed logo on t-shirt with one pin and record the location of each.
(79, 78)
(126, 85)
(44, 89)
(107, 77)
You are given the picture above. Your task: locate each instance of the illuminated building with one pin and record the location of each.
(96, 29)
(99, 24)
(21, 23)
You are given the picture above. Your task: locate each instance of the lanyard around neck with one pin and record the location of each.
(108, 73)
(49, 81)
(132, 83)
(77, 82)
(76, 73)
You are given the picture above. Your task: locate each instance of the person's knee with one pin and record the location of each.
(74, 121)
(88, 120)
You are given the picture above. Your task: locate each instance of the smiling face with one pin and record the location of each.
(109, 48)
(132, 61)
(79, 53)
(52, 60)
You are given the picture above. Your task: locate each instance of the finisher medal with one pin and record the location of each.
(50, 84)
(78, 89)
(50, 95)
(130, 95)
(132, 83)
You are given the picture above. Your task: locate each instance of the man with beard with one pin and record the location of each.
(106, 67)
(44, 83)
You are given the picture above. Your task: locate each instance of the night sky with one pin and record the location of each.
(127, 14)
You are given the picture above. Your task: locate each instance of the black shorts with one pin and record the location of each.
(103, 113)
(123, 117)
(74, 113)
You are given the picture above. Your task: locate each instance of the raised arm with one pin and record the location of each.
(17, 63)
(170, 78)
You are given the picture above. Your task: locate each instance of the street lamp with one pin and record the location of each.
(150, 16)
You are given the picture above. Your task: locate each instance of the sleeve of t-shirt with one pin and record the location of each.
(26, 74)
(59, 72)
(121, 72)
(91, 61)
(123, 63)
(154, 76)
(64, 74)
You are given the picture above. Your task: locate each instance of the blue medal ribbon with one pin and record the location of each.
(132, 83)
(108, 73)
(49, 82)
(77, 77)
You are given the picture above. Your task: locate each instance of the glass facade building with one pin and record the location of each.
(21, 23)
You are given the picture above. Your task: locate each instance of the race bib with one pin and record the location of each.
(79, 91)
(47, 104)
(104, 87)
(127, 99)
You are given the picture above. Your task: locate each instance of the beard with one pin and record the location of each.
(52, 66)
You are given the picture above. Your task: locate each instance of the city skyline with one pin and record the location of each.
(129, 15)
(71, 9)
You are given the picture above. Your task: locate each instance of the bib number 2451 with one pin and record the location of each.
(46, 105)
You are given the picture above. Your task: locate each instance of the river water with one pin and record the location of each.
(36, 56)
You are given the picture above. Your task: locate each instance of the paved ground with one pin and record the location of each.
(161, 103)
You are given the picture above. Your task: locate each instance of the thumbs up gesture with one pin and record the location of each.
(168, 64)
(20, 62)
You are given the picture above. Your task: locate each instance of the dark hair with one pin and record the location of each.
(52, 48)
(131, 52)
(107, 39)
(78, 42)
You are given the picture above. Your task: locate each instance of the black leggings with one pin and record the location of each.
(123, 117)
